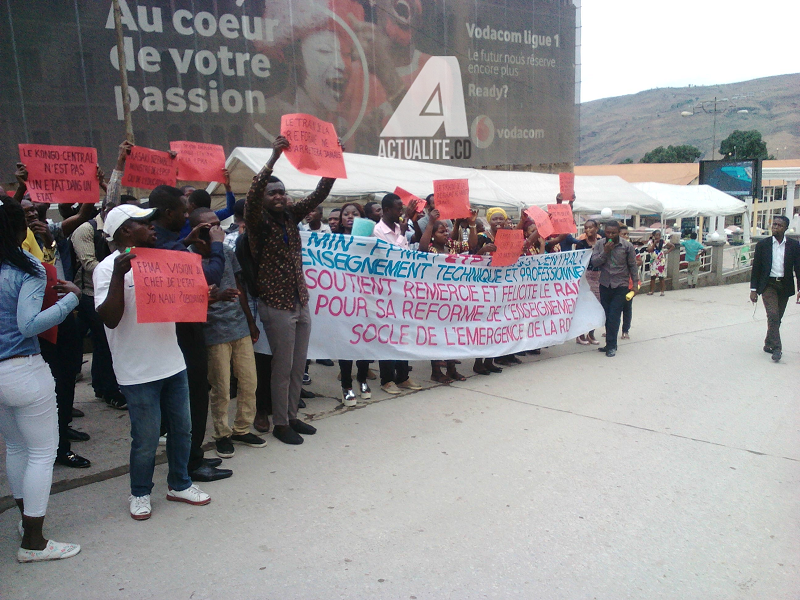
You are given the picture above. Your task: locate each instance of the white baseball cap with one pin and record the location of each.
(119, 214)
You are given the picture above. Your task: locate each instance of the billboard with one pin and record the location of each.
(738, 178)
(477, 83)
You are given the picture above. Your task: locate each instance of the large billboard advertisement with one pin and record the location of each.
(739, 178)
(478, 83)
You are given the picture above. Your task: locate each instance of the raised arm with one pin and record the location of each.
(254, 203)
(114, 187)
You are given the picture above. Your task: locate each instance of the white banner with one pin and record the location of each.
(371, 300)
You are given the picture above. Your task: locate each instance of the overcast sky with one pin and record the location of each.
(635, 45)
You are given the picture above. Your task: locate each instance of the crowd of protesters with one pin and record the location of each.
(63, 281)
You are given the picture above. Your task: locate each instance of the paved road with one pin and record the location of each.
(670, 471)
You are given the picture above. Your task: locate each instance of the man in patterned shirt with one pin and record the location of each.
(282, 295)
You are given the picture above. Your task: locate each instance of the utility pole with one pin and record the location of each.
(123, 73)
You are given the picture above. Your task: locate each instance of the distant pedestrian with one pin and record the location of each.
(658, 250)
(773, 262)
(694, 251)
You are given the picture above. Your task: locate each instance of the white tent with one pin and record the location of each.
(366, 175)
(593, 193)
(686, 201)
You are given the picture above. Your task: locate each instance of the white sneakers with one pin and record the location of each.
(53, 551)
(141, 509)
(192, 495)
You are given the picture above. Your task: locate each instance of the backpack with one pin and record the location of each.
(101, 248)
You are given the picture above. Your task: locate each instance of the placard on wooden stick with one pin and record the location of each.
(147, 169)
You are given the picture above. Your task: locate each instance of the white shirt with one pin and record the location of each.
(393, 236)
(142, 352)
(778, 257)
(323, 228)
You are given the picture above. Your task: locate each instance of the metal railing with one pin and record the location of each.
(737, 258)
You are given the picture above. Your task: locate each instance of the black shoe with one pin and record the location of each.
(212, 462)
(768, 350)
(776, 355)
(611, 353)
(302, 427)
(603, 349)
(249, 439)
(116, 400)
(206, 473)
(70, 459)
(287, 435)
(325, 362)
(493, 368)
(307, 394)
(536, 352)
(77, 413)
(224, 448)
(73, 435)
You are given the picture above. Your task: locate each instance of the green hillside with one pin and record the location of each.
(613, 129)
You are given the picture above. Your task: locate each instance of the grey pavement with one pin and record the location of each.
(669, 471)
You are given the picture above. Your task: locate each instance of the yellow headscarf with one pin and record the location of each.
(493, 211)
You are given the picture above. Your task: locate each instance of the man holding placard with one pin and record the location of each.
(282, 294)
(148, 364)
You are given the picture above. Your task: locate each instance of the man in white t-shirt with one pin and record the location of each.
(148, 364)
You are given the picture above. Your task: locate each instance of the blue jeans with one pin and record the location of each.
(147, 403)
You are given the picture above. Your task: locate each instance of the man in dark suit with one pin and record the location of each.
(774, 260)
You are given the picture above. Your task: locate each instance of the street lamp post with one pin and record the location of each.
(711, 107)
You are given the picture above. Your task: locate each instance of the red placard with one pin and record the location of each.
(407, 197)
(170, 286)
(561, 218)
(63, 174)
(542, 220)
(199, 162)
(147, 169)
(451, 198)
(314, 146)
(566, 182)
(509, 244)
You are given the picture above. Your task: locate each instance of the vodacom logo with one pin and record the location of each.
(482, 131)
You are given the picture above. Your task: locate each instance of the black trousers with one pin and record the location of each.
(392, 370)
(346, 369)
(627, 315)
(103, 378)
(613, 301)
(264, 387)
(193, 345)
(64, 359)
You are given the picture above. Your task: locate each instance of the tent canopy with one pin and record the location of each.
(593, 193)
(367, 175)
(687, 201)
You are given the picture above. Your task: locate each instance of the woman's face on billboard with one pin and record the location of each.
(326, 78)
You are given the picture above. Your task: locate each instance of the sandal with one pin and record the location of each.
(456, 376)
(441, 378)
(626, 336)
(582, 340)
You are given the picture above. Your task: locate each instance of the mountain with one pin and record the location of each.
(613, 129)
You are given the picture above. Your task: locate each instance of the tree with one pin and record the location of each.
(627, 161)
(744, 145)
(672, 154)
